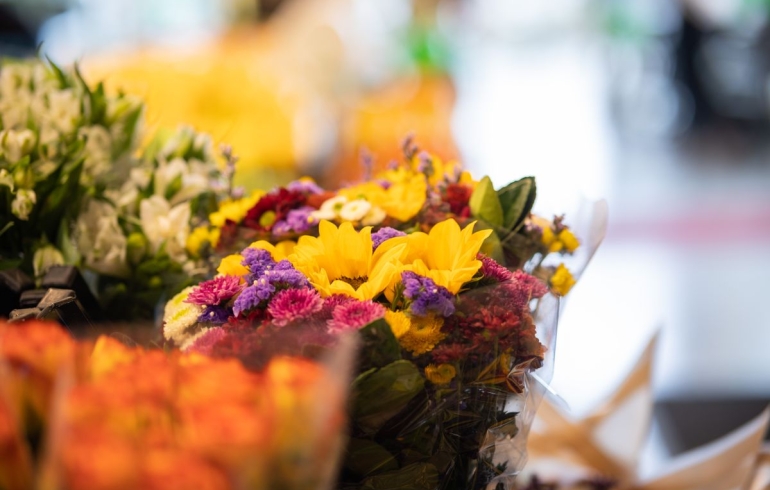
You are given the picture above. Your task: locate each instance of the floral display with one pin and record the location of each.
(449, 336)
(119, 417)
(410, 196)
(74, 189)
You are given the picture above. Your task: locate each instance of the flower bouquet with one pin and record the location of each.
(75, 190)
(102, 415)
(443, 394)
(413, 195)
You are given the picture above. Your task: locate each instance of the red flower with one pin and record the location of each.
(458, 196)
(280, 201)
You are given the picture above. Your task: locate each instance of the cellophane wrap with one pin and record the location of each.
(99, 413)
(470, 433)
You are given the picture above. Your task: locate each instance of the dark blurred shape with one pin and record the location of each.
(687, 424)
(20, 21)
(13, 282)
(59, 305)
(31, 298)
(68, 277)
(725, 70)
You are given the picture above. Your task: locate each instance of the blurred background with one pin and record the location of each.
(659, 106)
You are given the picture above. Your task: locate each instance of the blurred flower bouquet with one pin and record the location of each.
(101, 415)
(74, 190)
(411, 196)
(443, 396)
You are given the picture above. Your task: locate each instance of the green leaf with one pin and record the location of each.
(485, 204)
(517, 199)
(492, 246)
(60, 75)
(418, 476)
(383, 393)
(379, 346)
(173, 187)
(366, 457)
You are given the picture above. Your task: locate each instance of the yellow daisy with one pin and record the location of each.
(341, 261)
(562, 280)
(423, 334)
(279, 251)
(446, 254)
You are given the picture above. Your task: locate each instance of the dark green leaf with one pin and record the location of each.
(418, 476)
(383, 393)
(379, 346)
(517, 199)
(485, 204)
(367, 457)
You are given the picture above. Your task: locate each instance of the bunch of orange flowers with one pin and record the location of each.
(101, 415)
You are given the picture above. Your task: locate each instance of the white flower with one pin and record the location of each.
(330, 209)
(355, 210)
(98, 150)
(192, 176)
(140, 177)
(46, 257)
(6, 179)
(63, 110)
(375, 216)
(23, 203)
(178, 316)
(165, 224)
(100, 239)
(15, 145)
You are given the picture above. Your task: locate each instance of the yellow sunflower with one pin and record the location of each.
(446, 254)
(341, 261)
(279, 251)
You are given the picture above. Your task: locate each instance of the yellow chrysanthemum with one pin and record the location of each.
(446, 254)
(423, 335)
(279, 251)
(232, 266)
(568, 240)
(562, 280)
(199, 237)
(341, 261)
(399, 322)
(234, 210)
(441, 374)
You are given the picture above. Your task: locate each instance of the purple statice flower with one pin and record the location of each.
(293, 304)
(385, 233)
(426, 163)
(426, 295)
(284, 274)
(215, 291)
(300, 220)
(306, 186)
(206, 342)
(215, 314)
(354, 315)
(491, 269)
(385, 184)
(281, 228)
(258, 261)
(252, 296)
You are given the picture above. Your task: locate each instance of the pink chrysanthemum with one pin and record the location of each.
(293, 304)
(332, 302)
(354, 315)
(493, 270)
(215, 291)
(206, 342)
(532, 285)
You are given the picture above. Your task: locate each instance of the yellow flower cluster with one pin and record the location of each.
(565, 240)
(440, 375)
(562, 280)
